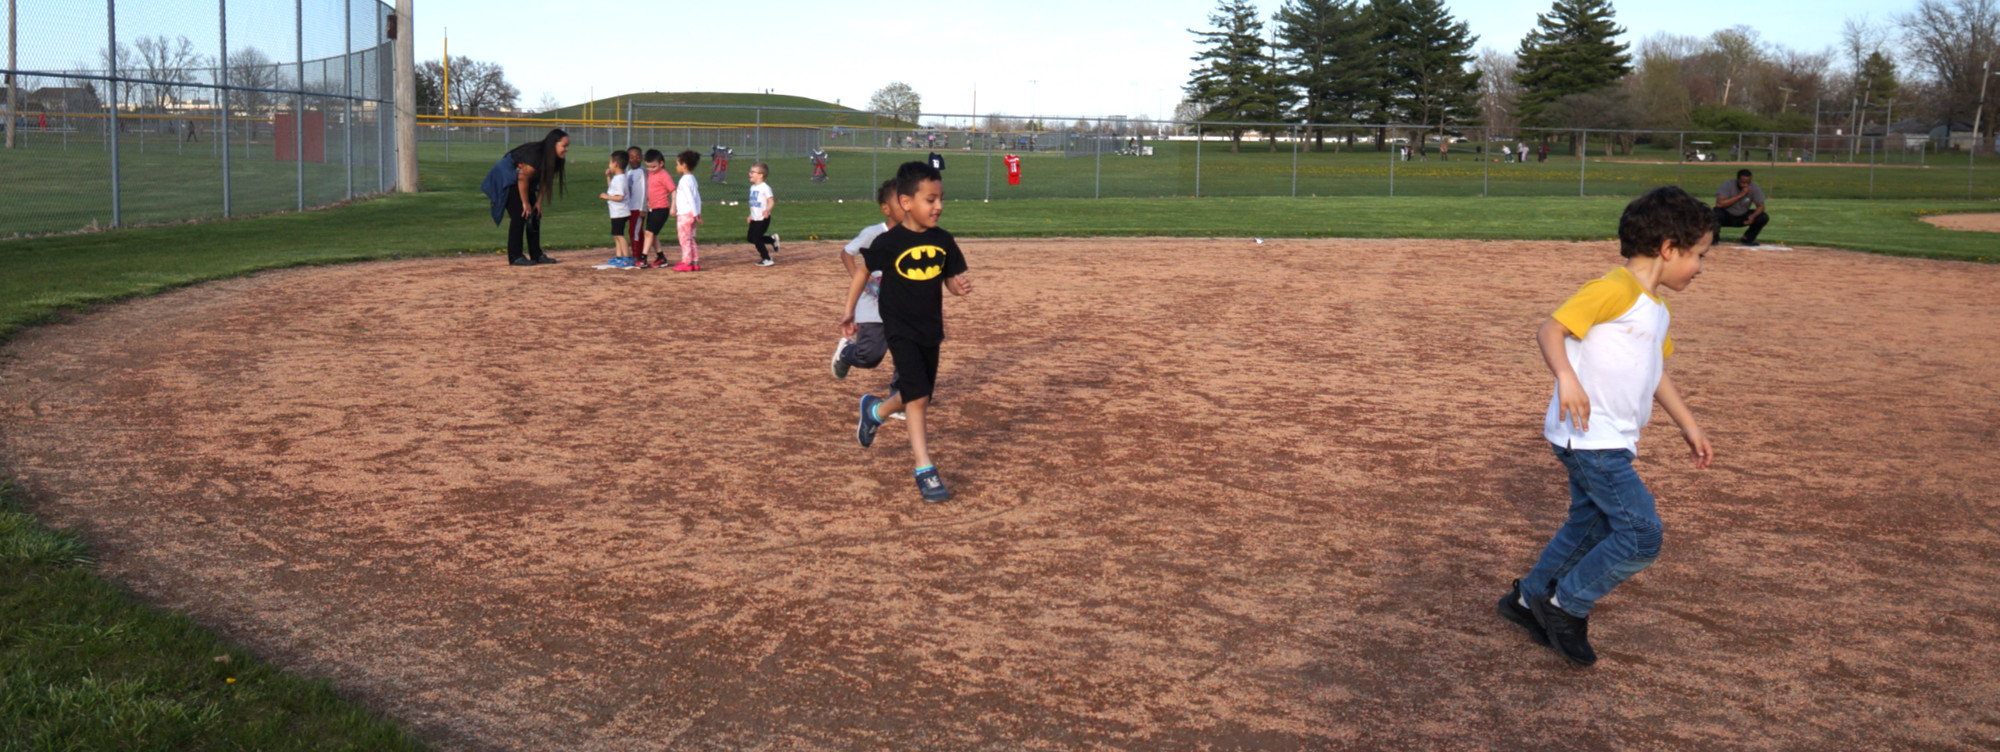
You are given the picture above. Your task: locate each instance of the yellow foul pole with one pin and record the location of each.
(447, 73)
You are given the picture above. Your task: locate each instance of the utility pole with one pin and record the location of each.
(1815, 142)
(1985, 72)
(405, 33)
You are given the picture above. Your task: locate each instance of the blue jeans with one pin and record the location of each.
(1612, 532)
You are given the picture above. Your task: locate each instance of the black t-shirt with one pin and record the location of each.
(914, 266)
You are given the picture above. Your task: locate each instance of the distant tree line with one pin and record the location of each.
(1410, 62)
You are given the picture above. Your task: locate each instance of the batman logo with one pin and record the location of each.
(921, 263)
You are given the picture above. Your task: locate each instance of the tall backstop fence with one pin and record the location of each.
(824, 154)
(125, 112)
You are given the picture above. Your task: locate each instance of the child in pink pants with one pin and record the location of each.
(687, 210)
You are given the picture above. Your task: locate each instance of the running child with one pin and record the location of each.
(918, 261)
(614, 195)
(761, 203)
(635, 200)
(1607, 347)
(659, 207)
(687, 210)
(862, 343)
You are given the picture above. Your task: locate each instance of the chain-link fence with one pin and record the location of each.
(820, 154)
(126, 112)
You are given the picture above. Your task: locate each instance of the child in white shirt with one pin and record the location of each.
(614, 196)
(687, 210)
(761, 202)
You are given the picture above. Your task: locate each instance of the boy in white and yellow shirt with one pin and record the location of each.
(1607, 347)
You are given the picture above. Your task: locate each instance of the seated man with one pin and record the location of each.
(1732, 206)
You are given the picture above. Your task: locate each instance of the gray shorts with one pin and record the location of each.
(868, 347)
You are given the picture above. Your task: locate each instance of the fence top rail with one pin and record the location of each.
(188, 84)
(1065, 120)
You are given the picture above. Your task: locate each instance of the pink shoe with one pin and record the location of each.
(683, 268)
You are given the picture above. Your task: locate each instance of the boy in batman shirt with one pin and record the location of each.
(918, 262)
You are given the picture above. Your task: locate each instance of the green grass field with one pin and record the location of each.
(61, 190)
(88, 668)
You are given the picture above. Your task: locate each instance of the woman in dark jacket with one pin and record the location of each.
(518, 184)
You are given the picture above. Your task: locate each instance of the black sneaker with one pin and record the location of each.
(1748, 243)
(523, 261)
(774, 244)
(546, 260)
(1569, 635)
(932, 486)
(1512, 610)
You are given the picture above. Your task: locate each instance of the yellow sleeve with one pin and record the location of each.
(1667, 346)
(1598, 301)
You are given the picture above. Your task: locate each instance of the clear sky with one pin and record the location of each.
(1082, 57)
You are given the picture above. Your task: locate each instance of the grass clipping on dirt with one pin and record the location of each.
(85, 666)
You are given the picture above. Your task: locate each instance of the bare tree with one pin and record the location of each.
(1949, 41)
(1498, 90)
(1661, 85)
(479, 87)
(897, 99)
(121, 65)
(251, 68)
(1738, 54)
(549, 103)
(167, 62)
(1859, 38)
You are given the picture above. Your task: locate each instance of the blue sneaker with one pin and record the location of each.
(865, 430)
(932, 486)
(615, 261)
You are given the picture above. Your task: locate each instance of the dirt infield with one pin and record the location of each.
(1212, 495)
(1988, 222)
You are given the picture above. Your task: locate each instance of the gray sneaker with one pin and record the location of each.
(840, 365)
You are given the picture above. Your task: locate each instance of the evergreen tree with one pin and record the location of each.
(1876, 78)
(1234, 81)
(1327, 57)
(1428, 56)
(1573, 50)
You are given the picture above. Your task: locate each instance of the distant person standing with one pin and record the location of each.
(517, 185)
(1733, 202)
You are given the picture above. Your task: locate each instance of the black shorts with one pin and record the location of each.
(618, 226)
(657, 219)
(916, 367)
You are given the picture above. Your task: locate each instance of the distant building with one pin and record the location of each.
(60, 99)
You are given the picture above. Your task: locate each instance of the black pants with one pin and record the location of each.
(1725, 219)
(520, 226)
(760, 236)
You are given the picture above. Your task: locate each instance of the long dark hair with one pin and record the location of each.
(542, 156)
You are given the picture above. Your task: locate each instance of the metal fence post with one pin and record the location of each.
(1485, 160)
(222, 70)
(111, 67)
(1295, 163)
(347, 84)
(1871, 169)
(1680, 166)
(1197, 160)
(874, 150)
(1097, 150)
(1582, 158)
(758, 142)
(1970, 154)
(1393, 155)
(299, 113)
(989, 168)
